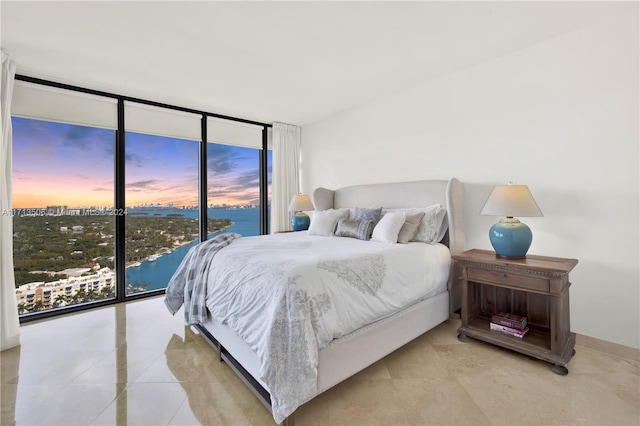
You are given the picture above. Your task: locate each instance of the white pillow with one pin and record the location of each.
(386, 231)
(324, 222)
(444, 223)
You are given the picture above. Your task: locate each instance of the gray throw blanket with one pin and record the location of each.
(185, 288)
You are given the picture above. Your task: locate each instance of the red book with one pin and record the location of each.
(509, 330)
(510, 320)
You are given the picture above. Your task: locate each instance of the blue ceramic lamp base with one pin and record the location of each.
(300, 221)
(510, 238)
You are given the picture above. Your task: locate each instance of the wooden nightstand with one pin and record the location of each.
(536, 287)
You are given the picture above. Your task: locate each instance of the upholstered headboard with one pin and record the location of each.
(422, 193)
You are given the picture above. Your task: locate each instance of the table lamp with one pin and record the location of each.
(299, 204)
(509, 237)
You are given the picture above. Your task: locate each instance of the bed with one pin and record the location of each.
(294, 314)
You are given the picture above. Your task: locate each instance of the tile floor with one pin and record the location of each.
(136, 364)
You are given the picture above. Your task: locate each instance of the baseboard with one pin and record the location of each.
(622, 351)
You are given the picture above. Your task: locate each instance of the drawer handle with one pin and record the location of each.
(504, 275)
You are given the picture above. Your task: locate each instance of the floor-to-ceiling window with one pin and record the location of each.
(109, 192)
(63, 199)
(161, 193)
(233, 176)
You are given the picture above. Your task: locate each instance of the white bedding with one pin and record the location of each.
(288, 295)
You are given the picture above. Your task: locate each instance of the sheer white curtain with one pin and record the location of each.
(9, 324)
(285, 175)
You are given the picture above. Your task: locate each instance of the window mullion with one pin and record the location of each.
(264, 219)
(202, 179)
(120, 206)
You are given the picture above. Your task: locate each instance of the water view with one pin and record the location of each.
(155, 272)
(63, 187)
(60, 260)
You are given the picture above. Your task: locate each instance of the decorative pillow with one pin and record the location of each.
(429, 228)
(386, 231)
(360, 229)
(324, 222)
(360, 213)
(410, 227)
(433, 225)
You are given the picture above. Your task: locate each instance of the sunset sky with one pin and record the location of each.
(65, 164)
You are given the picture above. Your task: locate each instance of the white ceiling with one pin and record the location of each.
(294, 62)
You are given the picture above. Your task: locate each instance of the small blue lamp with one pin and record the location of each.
(299, 204)
(509, 237)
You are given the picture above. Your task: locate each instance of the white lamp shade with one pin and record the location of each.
(511, 200)
(300, 203)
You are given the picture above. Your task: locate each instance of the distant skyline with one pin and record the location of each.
(66, 164)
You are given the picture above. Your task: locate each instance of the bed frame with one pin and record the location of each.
(348, 355)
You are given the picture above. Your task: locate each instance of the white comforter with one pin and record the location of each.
(288, 295)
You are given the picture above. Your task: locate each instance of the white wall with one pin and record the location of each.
(560, 117)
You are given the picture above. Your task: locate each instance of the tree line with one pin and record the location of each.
(46, 244)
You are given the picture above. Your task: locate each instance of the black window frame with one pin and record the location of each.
(119, 190)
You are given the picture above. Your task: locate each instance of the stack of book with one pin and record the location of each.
(511, 324)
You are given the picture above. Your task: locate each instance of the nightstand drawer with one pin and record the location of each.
(508, 279)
